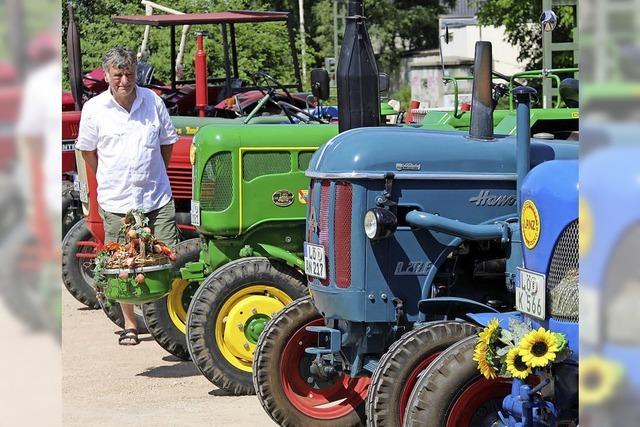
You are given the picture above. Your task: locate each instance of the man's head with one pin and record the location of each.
(119, 66)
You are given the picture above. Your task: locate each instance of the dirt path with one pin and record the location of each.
(105, 384)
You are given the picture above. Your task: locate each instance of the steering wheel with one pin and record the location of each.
(298, 113)
(269, 85)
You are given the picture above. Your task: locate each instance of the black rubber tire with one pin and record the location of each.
(266, 370)
(399, 363)
(156, 313)
(71, 208)
(78, 284)
(443, 381)
(114, 313)
(209, 299)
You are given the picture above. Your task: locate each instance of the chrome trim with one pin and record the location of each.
(420, 176)
(137, 270)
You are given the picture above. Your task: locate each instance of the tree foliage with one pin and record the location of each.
(521, 21)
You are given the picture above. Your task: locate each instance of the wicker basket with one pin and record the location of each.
(157, 284)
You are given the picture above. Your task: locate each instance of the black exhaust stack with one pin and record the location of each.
(481, 100)
(357, 74)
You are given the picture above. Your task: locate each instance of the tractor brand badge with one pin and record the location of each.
(313, 224)
(408, 166)
(575, 115)
(302, 196)
(486, 199)
(585, 227)
(530, 224)
(283, 198)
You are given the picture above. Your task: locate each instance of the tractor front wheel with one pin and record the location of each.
(286, 388)
(452, 393)
(228, 313)
(400, 367)
(166, 318)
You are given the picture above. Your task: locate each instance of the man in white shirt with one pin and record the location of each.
(126, 137)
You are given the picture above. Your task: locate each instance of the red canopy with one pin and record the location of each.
(230, 17)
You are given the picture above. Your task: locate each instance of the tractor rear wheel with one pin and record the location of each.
(228, 313)
(400, 367)
(166, 318)
(287, 390)
(77, 272)
(452, 393)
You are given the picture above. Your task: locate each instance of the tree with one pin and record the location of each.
(521, 21)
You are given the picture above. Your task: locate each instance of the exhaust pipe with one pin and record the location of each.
(523, 94)
(481, 126)
(357, 74)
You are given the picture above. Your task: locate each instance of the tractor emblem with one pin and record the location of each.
(530, 223)
(484, 198)
(283, 198)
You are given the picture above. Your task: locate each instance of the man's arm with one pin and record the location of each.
(166, 151)
(91, 159)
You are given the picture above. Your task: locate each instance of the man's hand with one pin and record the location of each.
(91, 159)
(166, 151)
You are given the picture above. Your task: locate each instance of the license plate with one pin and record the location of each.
(531, 293)
(195, 213)
(314, 261)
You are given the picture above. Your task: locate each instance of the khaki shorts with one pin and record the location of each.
(161, 221)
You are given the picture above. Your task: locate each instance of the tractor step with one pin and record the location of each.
(329, 340)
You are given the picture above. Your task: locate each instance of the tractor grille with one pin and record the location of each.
(333, 228)
(563, 277)
(180, 179)
(216, 185)
(342, 234)
(263, 163)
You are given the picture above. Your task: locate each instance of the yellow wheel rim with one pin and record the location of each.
(175, 307)
(240, 319)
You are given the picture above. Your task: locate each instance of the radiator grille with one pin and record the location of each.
(342, 234)
(563, 277)
(264, 163)
(216, 185)
(180, 179)
(323, 224)
(304, 158)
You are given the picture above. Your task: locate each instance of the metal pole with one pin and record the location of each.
(227, 65)
(303, 47)
(234, 51)
(173, 57)
(294, 54)
(335, 29)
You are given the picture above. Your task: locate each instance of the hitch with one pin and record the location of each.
(320, 366)
(526, 408)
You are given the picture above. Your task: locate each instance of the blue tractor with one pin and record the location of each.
(452, 391)
(407, 230)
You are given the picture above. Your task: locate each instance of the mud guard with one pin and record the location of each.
(459, 307)
(282, 254)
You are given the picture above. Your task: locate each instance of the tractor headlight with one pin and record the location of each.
(192, 153)
(379, 223)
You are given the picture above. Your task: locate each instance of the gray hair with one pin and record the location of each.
(119, 57)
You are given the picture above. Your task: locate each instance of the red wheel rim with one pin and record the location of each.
(475, 396)
(411, 382)
(333, 401)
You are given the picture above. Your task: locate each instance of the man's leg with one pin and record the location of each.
(112, 223)
(163, 224)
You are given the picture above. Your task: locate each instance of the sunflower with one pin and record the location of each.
(538, 348)
(480, 356)
(515, 364)
(487, 333)
(598, 380)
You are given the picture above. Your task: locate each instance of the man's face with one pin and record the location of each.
(122, 81)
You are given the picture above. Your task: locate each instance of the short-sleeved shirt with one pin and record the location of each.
(131, 172)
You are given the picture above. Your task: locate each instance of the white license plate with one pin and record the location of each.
(531, 293)
(314, 261)
(195, 213)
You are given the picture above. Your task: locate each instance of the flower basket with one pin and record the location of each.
(156, 284)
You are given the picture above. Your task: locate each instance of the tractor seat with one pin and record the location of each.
(569, 92)
(144, 73)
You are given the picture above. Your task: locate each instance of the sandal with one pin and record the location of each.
(129, 337)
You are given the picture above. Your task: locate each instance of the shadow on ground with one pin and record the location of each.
(179, 370)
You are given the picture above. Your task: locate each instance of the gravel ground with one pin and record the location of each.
(104, 384)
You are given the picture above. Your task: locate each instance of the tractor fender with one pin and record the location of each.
(282, 254)
(454, 306)
(483, 319)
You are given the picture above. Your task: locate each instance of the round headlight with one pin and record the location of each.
(379, 223)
